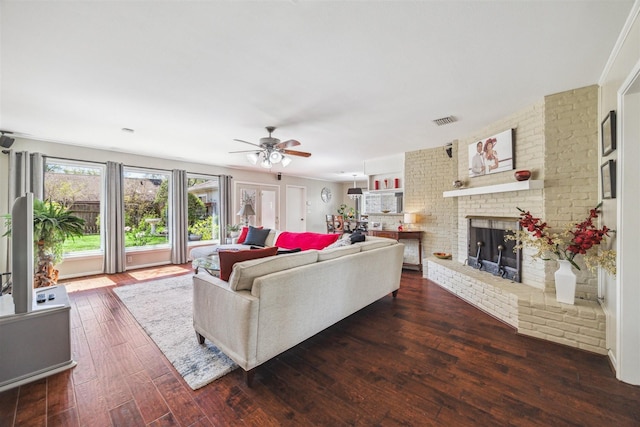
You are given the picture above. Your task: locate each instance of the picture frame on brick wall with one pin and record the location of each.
(608, 173)
(492, 155)
(608, 133)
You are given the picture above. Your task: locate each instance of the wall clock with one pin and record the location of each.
(325, 194)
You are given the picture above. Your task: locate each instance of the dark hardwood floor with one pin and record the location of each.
(425, 358)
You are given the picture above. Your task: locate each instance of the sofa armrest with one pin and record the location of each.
(226, 318)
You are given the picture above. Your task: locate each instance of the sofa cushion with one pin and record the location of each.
(331, 253)
(271, 238)
(229, 258)
(375, 243)
(257, 236)
(305, 241)
(244, 272)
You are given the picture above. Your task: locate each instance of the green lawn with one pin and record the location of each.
(91, 242)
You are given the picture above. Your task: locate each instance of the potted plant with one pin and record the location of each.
(52, 225)
(233, 230)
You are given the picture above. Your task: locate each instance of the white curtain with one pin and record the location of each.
(26, 175)
(179, 205)
(114, 252)
(226, 214)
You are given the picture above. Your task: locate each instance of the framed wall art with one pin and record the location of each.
(608, 172)
(492, 155)
(608, 133)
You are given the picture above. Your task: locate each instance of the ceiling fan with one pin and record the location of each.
(272, 150)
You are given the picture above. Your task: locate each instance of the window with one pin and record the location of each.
(77, 186)
(204, 207)
(146, 206)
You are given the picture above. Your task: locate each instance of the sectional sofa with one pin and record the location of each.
(269, 238)
(271, 304)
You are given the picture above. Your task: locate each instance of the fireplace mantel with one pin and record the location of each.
(498, 188)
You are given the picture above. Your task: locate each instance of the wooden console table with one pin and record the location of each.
(403, 235)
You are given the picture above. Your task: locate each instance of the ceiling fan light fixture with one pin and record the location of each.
(253, 158)
(275, 156)
(271, 151)
(265, 163)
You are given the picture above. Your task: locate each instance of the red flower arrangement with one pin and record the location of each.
(581, 238)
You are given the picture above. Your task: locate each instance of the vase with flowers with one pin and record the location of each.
(581, 238)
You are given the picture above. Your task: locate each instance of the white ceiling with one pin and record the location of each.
(350, 80)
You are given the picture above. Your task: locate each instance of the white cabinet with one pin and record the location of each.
(37, 344)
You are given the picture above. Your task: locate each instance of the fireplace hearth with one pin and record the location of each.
(487, 249)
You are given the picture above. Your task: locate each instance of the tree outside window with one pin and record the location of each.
(145, 208)
(203, 207)
(77, 186)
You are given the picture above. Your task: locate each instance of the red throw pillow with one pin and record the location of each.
(243, 234)
(306, 240)
(229, 258)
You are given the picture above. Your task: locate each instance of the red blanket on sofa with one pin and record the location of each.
(306, 240)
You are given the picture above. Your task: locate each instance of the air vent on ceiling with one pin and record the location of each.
(444, 120)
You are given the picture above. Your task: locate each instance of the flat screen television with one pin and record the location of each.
(22, 253)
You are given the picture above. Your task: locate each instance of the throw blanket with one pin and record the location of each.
(306, 240)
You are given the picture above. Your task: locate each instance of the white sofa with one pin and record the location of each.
(271, 304)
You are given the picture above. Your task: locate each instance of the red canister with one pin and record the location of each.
(376, 185)
(396, 181)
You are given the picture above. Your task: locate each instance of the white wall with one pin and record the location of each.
(621, 300)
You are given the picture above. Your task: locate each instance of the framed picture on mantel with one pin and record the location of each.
(491, 155)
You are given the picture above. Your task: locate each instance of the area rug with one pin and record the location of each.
(164, 309)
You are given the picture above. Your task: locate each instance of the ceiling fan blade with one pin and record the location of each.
(245, 151)
(296, 153)
(247, 142)
(287, 144)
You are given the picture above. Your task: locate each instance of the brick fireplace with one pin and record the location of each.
(489, 251)
(556, 139)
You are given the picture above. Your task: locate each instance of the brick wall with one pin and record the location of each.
(556, 138)
(571, 167)
(427, 174)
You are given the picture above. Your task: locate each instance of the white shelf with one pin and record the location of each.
(383, 214)
(498, 188)
(384, 191)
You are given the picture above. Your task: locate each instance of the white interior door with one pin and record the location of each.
(296, 209)
(268, 209)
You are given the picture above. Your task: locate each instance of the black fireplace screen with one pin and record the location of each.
(488, 250)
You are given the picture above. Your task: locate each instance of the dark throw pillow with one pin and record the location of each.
(288, 251)
(243, 234)
(229, 258)
(357, 237)
(256, 236)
